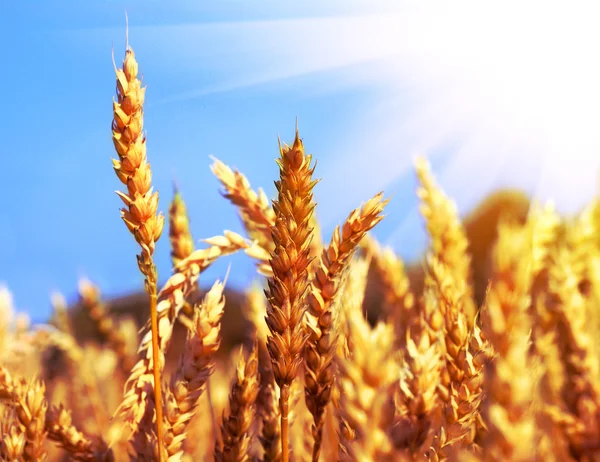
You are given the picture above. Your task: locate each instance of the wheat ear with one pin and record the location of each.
(420, 378)
(235, 430)
(267, 411)
(30, 406)
(38, 422)
(270, 434)
(254, 207)
(507, 402)
(290, 261)
(581, 393)
(92, 302)
(448, 238)
(182, 246)
(351, 299)
(60, 314)
(12, 437)
(449, 277)
(79, 446)
(582, 241)
(255, 211)
(84, 381)
(194, 368)
(31, 410)
(545, 226)
(366, 379)
(182, 242)
(321, 346)
(462, 378)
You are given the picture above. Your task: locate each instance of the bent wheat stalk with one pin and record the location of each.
(171, 300)
(254, 208)
(321, 346)
(194, 369)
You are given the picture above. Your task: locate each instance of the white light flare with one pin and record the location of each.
(509, 92)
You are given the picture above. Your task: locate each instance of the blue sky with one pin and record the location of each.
(490, 102)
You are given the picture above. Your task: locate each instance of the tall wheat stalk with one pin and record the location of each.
(171, 299)
(290, 260)
(141, 203)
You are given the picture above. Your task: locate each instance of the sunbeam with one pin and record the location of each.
(517, 83)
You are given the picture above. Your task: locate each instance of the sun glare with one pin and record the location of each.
(525, 80)
(505, 95)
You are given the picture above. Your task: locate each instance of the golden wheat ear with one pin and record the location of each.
(507, 412)
(79, 446)
(60, 315)
(290, 263)
(83, 379)
(195, 366)
(236, 431)
(366, 380)
(350, 304)
(449, 242)
(451, 302)
(182, 242)
(12, 437)
(581, 390)
(36, 423)
(254, 207)
(321, 346)
(270, 432)
(551, 413)
(91, 301)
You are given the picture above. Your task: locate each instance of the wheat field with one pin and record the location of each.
(440, 374)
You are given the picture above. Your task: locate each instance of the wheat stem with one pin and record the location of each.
(284, 404)
(156, 373)
(140, 215)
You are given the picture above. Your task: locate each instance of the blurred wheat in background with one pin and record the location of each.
(489, 350)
